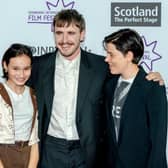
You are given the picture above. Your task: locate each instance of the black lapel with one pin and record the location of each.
(48, 82)
(111, 85)
(86, 74)
(129, 100)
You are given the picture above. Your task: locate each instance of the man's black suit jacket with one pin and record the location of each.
(89, 113)
(142, 136)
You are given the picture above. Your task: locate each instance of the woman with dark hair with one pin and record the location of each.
(18, 111)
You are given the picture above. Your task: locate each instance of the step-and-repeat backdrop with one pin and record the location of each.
(30, 21)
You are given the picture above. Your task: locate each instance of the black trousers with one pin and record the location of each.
(60, 153)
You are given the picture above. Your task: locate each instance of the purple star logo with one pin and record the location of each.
(150, 55)
(68, 5)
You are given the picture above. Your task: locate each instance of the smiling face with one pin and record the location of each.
(117, 61)
(18, 70)
(68, 40)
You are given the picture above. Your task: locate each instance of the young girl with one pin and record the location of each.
(18, 111)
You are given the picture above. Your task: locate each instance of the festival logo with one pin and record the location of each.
(46, 17)
(150, 55)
